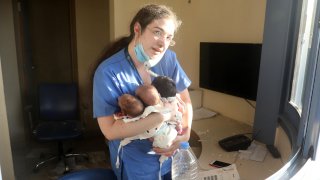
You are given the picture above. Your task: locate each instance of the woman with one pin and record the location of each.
(123, 70)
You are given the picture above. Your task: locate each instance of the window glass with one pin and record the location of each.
(303, 47)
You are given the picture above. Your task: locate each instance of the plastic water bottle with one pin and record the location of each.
(184, 164)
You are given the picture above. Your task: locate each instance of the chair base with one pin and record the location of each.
(60, 157)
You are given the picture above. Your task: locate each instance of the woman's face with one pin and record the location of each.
(157, 37)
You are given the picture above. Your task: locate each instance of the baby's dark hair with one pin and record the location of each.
(165, 86)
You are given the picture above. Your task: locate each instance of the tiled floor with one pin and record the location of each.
(95, 146)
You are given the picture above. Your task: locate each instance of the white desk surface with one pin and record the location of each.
(213, 129)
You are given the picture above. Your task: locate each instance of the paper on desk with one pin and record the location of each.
(202, 113)
(225, 173)
(256, 152)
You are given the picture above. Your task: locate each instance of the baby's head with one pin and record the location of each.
(130, 105)
(148, 94)
(165, 86)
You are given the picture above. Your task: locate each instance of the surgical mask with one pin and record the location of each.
(145, 59)
(141, 55)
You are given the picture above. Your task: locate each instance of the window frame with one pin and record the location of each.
(273, 107)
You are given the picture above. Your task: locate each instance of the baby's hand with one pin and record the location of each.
(119, 116)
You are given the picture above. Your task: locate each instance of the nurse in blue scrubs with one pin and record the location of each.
(126, 65)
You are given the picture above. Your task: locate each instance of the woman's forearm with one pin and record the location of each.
(117, 129)
(187, 116)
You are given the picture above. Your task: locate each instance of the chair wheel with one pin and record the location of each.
(66, 169)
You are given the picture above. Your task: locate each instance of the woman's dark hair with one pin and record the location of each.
(152, 12)
(144, 17)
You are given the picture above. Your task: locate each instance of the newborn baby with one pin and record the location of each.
(133, 110)
(130, 105)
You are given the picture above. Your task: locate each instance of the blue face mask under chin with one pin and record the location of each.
(141, 55)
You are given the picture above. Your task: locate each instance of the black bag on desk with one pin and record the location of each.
(235, 143)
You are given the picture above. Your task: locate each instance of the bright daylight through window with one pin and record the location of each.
(303, 47)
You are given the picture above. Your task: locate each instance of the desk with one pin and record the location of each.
(211, 130)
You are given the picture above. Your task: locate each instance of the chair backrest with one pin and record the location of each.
(58, 101)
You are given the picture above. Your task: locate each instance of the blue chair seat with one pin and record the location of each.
(58, 130)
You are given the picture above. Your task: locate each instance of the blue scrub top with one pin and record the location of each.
(115, 76)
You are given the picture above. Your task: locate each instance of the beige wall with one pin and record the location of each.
(12, 134)
(92, 31)
(205, 20)
(6, 164)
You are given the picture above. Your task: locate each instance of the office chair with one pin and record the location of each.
(90, 174)
(59, 119)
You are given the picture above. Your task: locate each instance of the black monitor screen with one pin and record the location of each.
(230, 68)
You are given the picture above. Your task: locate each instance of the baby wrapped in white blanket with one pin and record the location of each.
(132, 107)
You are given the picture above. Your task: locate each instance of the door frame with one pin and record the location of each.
(25, 66)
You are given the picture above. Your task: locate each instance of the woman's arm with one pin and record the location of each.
(187, 116)
(186, 126)
(117, 129)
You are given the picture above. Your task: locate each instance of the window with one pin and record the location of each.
(303, 49)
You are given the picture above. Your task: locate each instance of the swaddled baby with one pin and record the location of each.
(132, 109)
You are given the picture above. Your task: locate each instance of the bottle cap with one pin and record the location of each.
(184, 145)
